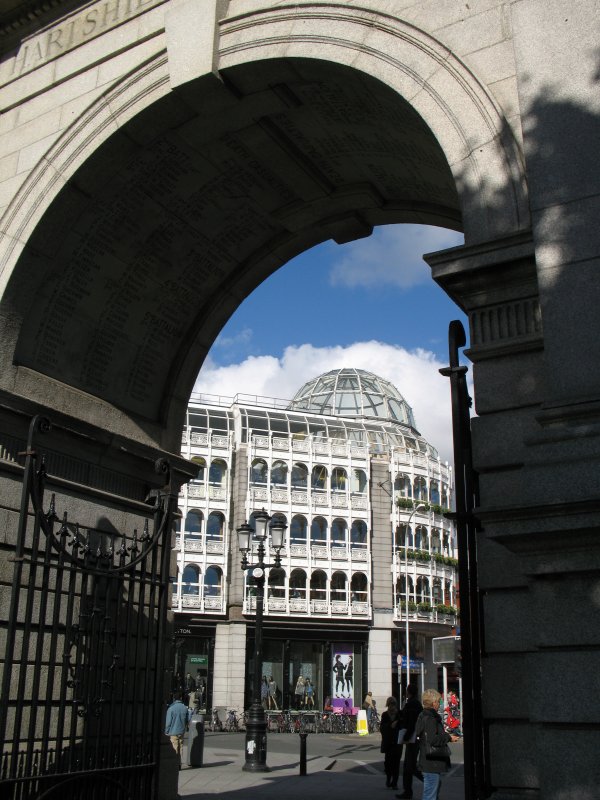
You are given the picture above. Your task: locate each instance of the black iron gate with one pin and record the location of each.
(82, 689)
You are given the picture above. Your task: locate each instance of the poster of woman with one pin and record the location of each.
(342, 681)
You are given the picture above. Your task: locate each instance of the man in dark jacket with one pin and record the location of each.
(410, 713)
(430, 733)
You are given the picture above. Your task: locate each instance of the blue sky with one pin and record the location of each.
(369, 304)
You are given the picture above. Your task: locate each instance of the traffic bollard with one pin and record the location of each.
(303, 737)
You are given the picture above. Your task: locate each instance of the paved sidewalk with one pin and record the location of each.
(348, 774)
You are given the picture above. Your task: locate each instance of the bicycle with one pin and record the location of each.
(214, 723)
(374, 722)
(231, 723)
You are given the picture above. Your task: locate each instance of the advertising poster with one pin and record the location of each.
(342, 680)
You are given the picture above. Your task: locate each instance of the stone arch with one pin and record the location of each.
(405, 64)
(420, 69)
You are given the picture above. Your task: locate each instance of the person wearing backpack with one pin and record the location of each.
(434, 753)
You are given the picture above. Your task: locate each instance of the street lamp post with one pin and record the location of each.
(415, 510)
(256, 724)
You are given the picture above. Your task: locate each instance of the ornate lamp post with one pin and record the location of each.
(416, 509)
(256, 725)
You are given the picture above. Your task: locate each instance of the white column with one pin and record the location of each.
(229, 666)
(380, 666)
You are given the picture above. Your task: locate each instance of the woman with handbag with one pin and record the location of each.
(434, 753)
(390, 728)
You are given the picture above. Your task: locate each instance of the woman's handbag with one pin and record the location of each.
(439, 752)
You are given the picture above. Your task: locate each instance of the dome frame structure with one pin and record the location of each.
(351, 392)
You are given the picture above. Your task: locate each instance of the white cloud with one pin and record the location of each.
(414, 373)
(392, 255)
(243, 338)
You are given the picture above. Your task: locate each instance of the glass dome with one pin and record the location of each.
(352, 392)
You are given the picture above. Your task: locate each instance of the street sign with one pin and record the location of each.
(444, 649)
(415, 663)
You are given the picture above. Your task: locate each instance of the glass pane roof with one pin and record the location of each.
(350, 392)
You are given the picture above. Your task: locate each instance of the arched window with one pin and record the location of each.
(318, 531)
(190, 583)
(420, 488)
(258, 472)
(277, 577)
(423, 590)
(298, 529)
(437, 594)
(359, 481)
(193, 522)
(444, 499)
(358, 587)
(215, 525)
(318, 478)
(318, 585)
(339, 533)
(402, 485)
(434, 492)
(421, 538)
(446, 544)
(448, 599)
(213, 582)
(339, 480)
(298, 585)
(436, 545)
(401, 589)
(299, 476)
(218, 472)
(402, 539)
(279, 473)
(279, 517)
(339, 587)
(358, 533)
(201, 464)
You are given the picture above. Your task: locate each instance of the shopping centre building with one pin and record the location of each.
(363, 496)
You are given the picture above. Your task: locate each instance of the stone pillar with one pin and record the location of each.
(538, 553)
(380, 660)
(229, 667)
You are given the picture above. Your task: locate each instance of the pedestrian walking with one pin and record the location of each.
(176, 723)
(273, 694)
(310, 694)
(434, 753)
(390, 729)
(368, 705)
(264, 692)
(410, 713)
(299, 692)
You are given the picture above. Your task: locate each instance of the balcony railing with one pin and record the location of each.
(285, 444)
(419, 614)
(199, 544)
(196, 602)
(290, 606)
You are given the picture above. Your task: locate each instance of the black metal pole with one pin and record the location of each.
(303, 737)
(256, 725)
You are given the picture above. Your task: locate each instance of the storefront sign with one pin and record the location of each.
(201, 660)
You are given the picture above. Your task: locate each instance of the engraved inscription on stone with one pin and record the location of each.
(73, 31)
